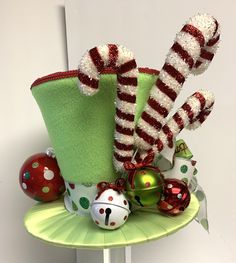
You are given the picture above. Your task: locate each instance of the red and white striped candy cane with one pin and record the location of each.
(192, 113)
(192, 51)
(122, 61)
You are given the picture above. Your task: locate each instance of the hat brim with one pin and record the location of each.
(52, 223)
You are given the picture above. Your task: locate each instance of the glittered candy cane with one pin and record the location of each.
(119, 58)
(192, 113)
(192, 51)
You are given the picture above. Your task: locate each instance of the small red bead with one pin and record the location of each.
(110, 198)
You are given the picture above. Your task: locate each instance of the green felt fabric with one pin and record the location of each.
(81, 128)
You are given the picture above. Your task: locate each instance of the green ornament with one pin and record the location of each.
(146, 189)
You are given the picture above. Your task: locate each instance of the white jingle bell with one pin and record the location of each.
(110, 209)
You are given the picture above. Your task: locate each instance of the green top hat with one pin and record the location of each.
(81, 128)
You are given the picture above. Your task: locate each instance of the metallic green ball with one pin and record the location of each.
(148, 187)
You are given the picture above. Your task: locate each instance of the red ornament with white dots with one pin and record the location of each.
(175, 198)
(40, 178)
(110, 209)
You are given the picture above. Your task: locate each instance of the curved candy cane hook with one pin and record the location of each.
(122, 61)
(192, 51)
(192, 113)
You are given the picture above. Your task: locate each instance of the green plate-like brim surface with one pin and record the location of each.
(52, 223)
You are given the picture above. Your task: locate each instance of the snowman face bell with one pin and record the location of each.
(110, 210)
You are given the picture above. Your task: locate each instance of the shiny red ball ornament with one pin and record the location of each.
(40, 178)
(175, 198)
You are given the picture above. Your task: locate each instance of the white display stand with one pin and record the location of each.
(119, 255)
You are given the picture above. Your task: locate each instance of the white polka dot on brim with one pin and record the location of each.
(24, 186)
(48, 174)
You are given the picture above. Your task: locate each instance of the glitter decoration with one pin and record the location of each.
(117, 57)
(192, 52)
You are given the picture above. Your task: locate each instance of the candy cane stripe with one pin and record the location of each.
(177, 118)
(97, 59)
(86, 80)
(124, 131)
(127, 81)
(122, 159)
(151, 121)
(124, 116)
(147, 138)
(166, 90)
(193, 31)
(159, 145)
(157, 107)
(126, 67)
(169, 134)
(126, 97)
(213, 41)
(188, 110)
(201, 99)
(123, 147)
(177, 48)
(206, 55)
(113, 55)
(174, 73)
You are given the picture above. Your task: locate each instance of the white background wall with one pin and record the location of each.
(33, 44)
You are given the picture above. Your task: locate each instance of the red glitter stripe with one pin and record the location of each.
(193, 31)
(126, 97)
(138, 158)
(113, 55)
(97, 59)
(124, 116)
(159, 145)
(157, 107)
(125, 131)
(131, 81)
(86, 80)
(74, 73)
(217, 26)
(198, 64)
(127, 66)
(147, 138)
(213, 41)
(151, 121)
(206, 55)
(174, 73)
(169, 134)
(201, 98)
(203, 115)
(166, 90)
(186, 107)
(122, 159)
(123, 147)
(177, 48)
(178, 120)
